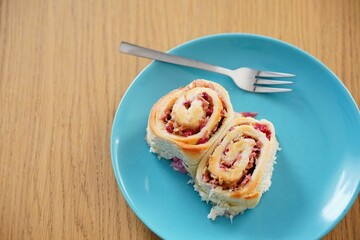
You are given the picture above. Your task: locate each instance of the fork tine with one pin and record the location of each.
(270, 90)
(270, 82)
(274, 74)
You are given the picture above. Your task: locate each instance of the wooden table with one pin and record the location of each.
(61, 80)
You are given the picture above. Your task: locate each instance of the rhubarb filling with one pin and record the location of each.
(178, 165)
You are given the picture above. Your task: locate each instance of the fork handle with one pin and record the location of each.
(135, 50)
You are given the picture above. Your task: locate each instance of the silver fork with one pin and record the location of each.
(248, 79)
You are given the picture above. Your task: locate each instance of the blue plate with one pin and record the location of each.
(316, 178)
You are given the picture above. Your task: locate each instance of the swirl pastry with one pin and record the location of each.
(186, 122)
(237, 170)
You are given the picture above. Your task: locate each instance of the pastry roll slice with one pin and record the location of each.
(186, 122)
(237, 170)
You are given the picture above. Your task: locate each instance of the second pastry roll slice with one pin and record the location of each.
(237, 170)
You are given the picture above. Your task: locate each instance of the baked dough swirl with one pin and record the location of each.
(237, 170)
(186, 122)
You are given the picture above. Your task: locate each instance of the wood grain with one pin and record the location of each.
(61, 79)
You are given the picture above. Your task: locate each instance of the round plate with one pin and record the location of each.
(315, 180)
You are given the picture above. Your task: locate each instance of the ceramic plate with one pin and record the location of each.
(316, 178)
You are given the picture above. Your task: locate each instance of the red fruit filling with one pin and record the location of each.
(205, 96)
(178, 165)
(187, 104)
(203, 140)
(166, 117)
(263, 128)
(249, 114)
(188, 133)
(169, 127)
(245, 180)
(226, 149)
(209, 111)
